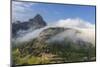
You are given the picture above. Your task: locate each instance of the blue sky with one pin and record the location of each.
(52, 12)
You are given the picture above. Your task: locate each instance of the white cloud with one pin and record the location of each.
(87, 35)
(86, 29)
(22, 11)
(30, 35)
(76, 23)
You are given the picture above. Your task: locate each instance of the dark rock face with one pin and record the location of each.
(34, 23)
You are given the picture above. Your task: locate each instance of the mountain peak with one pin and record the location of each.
(39, 19)
(34, 23)
(38, 16)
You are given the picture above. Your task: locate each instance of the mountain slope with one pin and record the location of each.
(34, 42)
(51, 50)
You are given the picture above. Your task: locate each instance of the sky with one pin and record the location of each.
(23, 11)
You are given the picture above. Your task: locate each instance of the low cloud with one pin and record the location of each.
(74, 35)
(29, 35)
(76, 23)
(86, 31)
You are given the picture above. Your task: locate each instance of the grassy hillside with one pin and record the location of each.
(40, 52)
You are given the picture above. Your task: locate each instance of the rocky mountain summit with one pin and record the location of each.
(19, 27)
